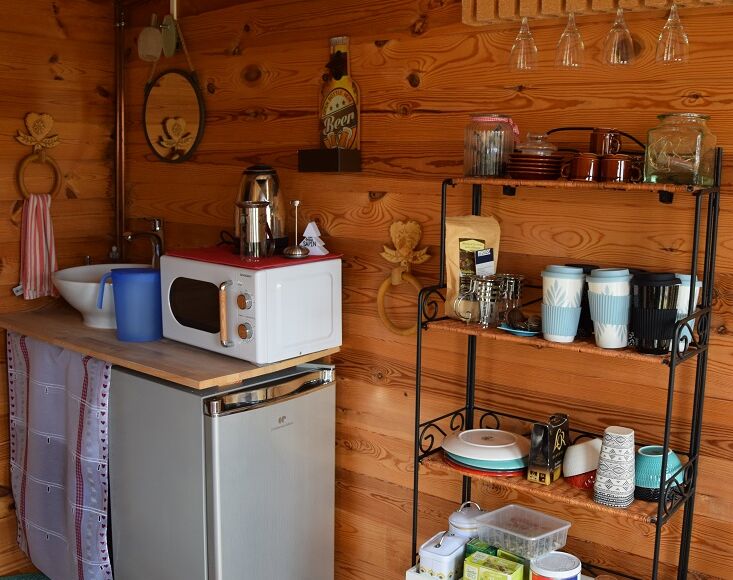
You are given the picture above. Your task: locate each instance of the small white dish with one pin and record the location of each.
(582, 457)
(487, 444)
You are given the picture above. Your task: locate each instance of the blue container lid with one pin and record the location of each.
(564, 269)
(610, 273)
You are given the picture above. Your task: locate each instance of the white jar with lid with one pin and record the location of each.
(462, 522)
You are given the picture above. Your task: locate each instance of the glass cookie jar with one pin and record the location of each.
(681, 149)
(488, 142)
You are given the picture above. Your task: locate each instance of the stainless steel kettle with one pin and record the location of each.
(260, 183)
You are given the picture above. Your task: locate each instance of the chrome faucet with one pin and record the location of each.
(155, 240)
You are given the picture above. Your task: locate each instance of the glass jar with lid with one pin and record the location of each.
(681, 149)
(488, 142)
(537, 144)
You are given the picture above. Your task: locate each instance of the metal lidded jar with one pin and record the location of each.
(488, 142)
(681, 149)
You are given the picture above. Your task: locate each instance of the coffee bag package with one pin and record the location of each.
(465, 236)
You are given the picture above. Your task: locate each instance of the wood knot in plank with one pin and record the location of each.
(210, 87)
(380, 43)
(376, 195)
(413, 79)
(53, 59)
(235, 50)
(252, 73)
(246, 28)
(722, 329)
(420, 26)
(404, 109)
(102, 92)
(255, 113)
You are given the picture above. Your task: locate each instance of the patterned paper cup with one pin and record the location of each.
(618, 437)
(610, 315)
(563, 288)
(560, 323)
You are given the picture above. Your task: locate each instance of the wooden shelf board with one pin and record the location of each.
(579, 345)
(557, 492)
(186, 365)
(565, 184)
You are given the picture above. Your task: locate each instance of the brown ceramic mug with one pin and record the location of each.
(605, 141)
(619, 168)
(582, 167)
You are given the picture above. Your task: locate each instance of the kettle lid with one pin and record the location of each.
(260, 169)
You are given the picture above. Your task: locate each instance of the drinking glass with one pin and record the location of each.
(672, 45)
(618, 47)
(570, 48)
(524, 51)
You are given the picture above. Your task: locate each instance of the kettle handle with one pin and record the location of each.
(100, 295)
(469, 503)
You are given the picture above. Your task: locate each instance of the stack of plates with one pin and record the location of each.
(526, 166)
(490, 451)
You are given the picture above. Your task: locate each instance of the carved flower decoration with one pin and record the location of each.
(175, 137)
(39, 126)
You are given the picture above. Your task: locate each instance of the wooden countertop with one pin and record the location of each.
(166, 359)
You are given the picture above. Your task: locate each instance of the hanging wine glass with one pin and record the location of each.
(672, 45)
(618, 47)
(570, 47)
(524, 52)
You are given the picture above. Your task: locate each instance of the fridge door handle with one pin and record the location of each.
(250, 398)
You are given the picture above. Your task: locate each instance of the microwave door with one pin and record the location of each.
(303, 309)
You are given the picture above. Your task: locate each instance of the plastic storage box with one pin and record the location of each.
(522, 531)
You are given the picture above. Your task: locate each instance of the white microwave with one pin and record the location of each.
(258, 315)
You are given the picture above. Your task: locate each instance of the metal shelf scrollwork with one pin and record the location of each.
(431, 300)
(439, 427)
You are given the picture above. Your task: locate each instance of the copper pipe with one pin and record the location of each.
(120, 126)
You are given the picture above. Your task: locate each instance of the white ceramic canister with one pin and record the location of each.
(462, 522)
(442, 556)
(555, 566)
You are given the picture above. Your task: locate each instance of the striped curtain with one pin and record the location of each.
(58, 457)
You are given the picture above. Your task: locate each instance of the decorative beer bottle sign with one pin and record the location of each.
(339, 111)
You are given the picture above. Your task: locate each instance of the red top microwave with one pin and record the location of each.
(261, 312)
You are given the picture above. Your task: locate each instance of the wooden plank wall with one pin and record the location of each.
(421, 73)
(58, 58)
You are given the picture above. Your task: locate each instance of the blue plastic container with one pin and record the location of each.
(137, 303)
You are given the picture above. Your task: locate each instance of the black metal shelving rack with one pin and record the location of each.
(673, 494)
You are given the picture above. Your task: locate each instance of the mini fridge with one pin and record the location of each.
(231, 483)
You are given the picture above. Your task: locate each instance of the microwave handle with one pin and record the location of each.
(223, 315)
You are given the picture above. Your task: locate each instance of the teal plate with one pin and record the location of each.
(517, 331)
(503, 465)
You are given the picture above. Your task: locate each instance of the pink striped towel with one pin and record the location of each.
(37, 248)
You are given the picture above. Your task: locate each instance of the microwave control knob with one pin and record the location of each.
(244, 301)
(245, 331)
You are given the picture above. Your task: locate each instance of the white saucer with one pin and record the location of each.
(487, 444)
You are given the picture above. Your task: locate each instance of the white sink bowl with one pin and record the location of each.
(79, 286)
